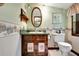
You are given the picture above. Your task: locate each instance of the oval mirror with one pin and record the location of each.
(36, 17)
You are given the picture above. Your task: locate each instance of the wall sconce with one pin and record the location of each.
(29, 7)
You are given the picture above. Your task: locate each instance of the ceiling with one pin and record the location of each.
(59, 5)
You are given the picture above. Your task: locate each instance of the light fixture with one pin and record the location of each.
(29, 6)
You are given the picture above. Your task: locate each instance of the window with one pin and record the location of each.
(75, 24)
(57, 20)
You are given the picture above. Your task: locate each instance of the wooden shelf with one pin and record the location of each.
(23, 16)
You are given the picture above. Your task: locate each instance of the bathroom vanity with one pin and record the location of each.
(34, 43)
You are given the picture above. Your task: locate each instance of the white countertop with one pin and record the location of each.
(29, 33)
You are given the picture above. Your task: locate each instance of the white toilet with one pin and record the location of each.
(64, 47)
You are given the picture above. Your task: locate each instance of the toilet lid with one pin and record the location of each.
(64, 43)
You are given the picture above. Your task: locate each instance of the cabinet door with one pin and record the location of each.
(42, 45)
(27, 45)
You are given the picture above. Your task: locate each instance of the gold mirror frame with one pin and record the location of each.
(36, 17)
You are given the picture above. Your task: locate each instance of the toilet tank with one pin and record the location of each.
(59, 38)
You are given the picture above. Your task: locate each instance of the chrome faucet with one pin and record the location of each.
(36, 30)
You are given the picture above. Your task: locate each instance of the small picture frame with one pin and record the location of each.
(30, 47)
(41, 47)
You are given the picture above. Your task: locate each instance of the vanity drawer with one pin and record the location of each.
(41, 37)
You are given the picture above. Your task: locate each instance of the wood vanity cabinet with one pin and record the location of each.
(37, 41)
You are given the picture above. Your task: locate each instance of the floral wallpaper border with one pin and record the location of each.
(7, 28)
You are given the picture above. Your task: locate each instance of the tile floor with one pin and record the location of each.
(58, 53)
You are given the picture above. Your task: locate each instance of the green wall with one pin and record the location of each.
(47, 12)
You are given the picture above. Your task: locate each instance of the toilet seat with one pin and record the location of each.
(64, 44)
(64, 47)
